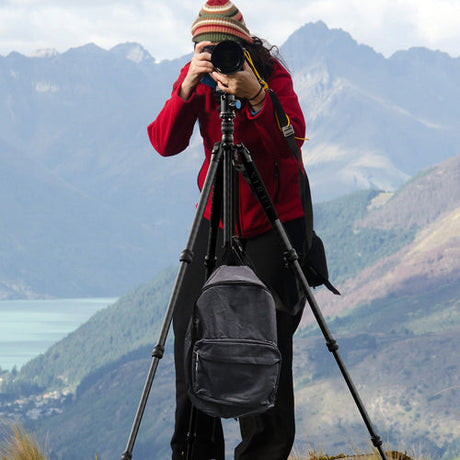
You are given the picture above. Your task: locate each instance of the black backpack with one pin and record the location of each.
(232, 362)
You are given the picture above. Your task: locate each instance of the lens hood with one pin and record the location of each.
(228, 57)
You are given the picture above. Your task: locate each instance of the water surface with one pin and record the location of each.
(30, 327)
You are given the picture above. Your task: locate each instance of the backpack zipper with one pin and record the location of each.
(235, 283)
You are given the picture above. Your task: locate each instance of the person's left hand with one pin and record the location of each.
(243, 84)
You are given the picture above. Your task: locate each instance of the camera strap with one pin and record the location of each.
(262, 82)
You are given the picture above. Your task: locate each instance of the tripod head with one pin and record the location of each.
(228, 103)
(228, 106)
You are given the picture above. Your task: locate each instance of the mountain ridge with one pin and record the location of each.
(380, 100)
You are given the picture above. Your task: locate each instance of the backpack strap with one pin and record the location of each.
(285, 125)
(288, 131)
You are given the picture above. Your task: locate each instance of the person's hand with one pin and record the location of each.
(243, 84)
(200, 65)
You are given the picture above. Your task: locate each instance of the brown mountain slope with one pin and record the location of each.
(431, 202)
(428, 196)
(397, 323)
(432, 260)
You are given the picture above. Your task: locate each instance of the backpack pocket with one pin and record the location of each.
(241, 376)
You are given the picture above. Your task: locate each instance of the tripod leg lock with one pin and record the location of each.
(186, 256)
(126, 456)
(377, 441)
(332, 345)
(291, 255)
(158, 351)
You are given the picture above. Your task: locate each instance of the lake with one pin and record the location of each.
(30, 327)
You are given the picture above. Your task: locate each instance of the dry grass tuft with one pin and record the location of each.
(18, 444)
(313, 455)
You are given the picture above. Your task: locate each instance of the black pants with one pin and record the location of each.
(268, 436)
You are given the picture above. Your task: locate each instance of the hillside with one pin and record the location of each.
(107, 213)
(430, 204)
(399, 320)
(397, 324)
(132, 322)
(350, 249)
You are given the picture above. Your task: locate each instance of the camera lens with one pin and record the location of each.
(228, 57)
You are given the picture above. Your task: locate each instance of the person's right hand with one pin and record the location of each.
(200, 65)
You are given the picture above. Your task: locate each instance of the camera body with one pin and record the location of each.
(227, 57)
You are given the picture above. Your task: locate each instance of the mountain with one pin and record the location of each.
(114, 213)
(372, 121)
(396, 322)
(75, 126)
(57, 239)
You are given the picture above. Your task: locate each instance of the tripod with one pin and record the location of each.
(233, 157)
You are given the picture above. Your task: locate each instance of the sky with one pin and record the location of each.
(163, 28)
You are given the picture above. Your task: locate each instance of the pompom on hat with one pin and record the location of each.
(220, 20)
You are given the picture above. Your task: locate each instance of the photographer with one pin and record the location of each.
(268, 436)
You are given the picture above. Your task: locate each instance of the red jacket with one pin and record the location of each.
(171, 131)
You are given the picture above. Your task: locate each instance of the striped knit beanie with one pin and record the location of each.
(220, 20)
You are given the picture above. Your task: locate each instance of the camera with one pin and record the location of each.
(227, 57)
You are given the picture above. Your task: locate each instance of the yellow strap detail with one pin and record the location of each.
(265, 86)
(253, 67)
(278, 121)
(289, 124)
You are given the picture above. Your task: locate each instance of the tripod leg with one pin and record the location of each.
(256, 183)
(186, 258)
(210, 262)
